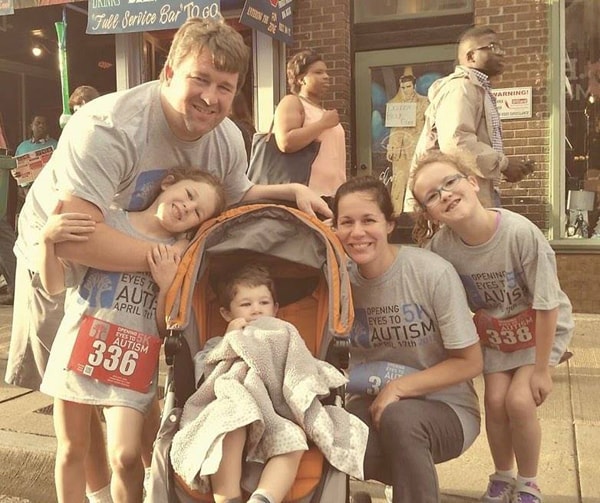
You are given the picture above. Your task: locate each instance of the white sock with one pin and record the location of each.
(506, 473)
(521, 481)
(100, 496)
(260, 496)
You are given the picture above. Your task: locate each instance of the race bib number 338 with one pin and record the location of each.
(115, 355)
(506, 335)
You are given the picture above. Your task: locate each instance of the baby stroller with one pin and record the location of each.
(310, 271)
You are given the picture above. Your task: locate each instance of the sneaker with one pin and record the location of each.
(499, 489)
(527, 493)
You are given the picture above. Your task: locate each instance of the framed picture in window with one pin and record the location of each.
(391, 99)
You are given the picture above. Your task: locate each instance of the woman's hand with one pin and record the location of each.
(541, 385)
(330, 119)
(391, 392)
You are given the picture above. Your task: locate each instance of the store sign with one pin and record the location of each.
(131, 16)
(513, 102)
(6, 7)
(273, 17)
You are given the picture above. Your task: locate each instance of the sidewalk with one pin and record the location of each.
(570, 421)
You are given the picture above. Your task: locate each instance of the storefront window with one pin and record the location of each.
(389, 10)
(581, 194)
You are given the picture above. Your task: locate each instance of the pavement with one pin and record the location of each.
(569, 469)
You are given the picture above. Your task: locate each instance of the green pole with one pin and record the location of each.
(61, 31)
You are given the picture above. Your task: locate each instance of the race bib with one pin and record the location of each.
(507, 335)
(115, 355)
(369, 378)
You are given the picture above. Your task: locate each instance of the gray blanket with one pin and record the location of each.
(264, 377)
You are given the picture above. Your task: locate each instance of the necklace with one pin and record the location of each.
(308, 100)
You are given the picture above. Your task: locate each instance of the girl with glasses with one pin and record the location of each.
(522, 316)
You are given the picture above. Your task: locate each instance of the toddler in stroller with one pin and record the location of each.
(264, 385)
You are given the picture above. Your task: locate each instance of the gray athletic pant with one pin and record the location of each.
(414, 435)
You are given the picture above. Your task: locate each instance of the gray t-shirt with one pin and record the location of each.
(116, 150)
(124, 300)
(514, 271)
(411, 315)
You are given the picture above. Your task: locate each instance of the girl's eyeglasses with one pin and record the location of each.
(434, 197)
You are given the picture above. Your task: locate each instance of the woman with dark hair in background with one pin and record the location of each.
(300, 119)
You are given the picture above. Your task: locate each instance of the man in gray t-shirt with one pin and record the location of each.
(115, 151)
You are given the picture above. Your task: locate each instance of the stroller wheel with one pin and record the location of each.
(361, 497)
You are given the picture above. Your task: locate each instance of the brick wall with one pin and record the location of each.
(324, 26)
(523, 29)
(579, 275)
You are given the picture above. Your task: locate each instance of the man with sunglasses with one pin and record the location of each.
(463, 116)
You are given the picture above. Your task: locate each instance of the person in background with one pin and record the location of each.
(523, 318)
(8, 261)
(411, 311)
(40, 137)
(300, 119)
(242, 118)
(463, 116)
(82, 95)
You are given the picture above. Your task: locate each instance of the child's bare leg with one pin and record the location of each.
(497, 422)
(278, 477)
(124, 440)
(97, 474)
(72, 428)
(526, 429)
(149, 432)
(226, 482)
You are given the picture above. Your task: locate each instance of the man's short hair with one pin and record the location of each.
(251, 275)
(82, 95)
(229, 52)
(475, 32)
(470, 35)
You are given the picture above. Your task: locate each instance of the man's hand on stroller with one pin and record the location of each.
(310, 202)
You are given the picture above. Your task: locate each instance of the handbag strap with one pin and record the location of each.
(270, 133)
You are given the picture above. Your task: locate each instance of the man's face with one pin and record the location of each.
(408, 89)
(486, 55)
(39, 128)
(196, 96)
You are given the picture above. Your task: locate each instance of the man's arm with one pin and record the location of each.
(305, 199)
(457, 120)
(106, 248)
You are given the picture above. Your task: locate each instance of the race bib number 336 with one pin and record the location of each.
(115, 355)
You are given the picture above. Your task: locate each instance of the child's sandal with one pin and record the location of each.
(527, 493)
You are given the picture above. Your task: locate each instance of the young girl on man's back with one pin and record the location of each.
(106, 349)
(522, 316)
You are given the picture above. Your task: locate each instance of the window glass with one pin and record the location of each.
(582, 119)
(388, 10)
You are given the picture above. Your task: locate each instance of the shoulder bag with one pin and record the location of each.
(269, 165)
